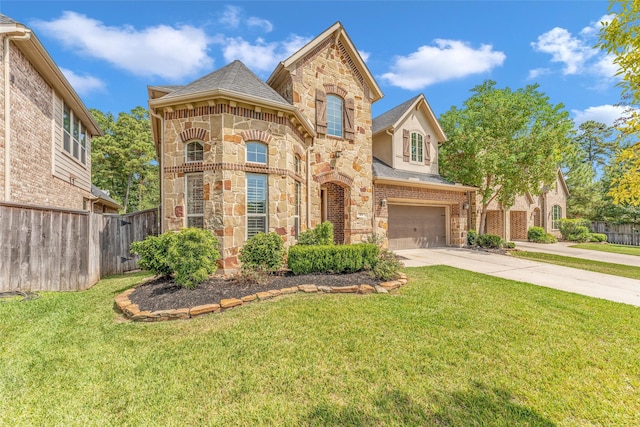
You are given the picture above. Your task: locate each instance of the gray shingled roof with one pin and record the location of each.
(235, 77)
(166, 88)
(382, 170)
(6, 20)
(387, 119)
(103, 195)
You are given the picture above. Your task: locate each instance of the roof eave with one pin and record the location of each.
(422, 184)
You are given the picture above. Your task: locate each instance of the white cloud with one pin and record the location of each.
(447, 60)
(564, 48)
(364, 55)
(230, 16)
(594, 27)
(260, 23)
(168, 52)
(537, 72)
(606, 114)
(83, 84)
(260, 55)
(605, 66)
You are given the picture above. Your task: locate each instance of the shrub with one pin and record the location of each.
(492, 241)
(375, 238)
(569, 227)
(472, 237)
(304, 259)
(321, 235)
(509, 245)
(192, 255)
(580, 234)
(547, 238)
(153, 253)
(264, 250)
(535, 233)
(387, 266)
(597, 237)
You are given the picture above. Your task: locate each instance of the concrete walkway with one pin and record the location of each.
(598, 285)
(565, 249)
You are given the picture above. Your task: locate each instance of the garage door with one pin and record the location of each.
(416, 227)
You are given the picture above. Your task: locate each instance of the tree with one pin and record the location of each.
(124, 159)
(504, 142)
(595, 141)
(619, 38)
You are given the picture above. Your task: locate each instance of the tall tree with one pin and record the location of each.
(124, 159)
(596, 143)
(504, 142)
(619, 38)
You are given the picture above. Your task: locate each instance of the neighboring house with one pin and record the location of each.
(239, 156)
(102, 201)
(528, 210)
(45, 129)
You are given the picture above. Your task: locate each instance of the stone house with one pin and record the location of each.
(45, 129)
(239, 155)
(528, 210)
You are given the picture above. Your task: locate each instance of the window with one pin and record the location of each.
(334, 115)
(556, 217)
(256, 204)
(416, 148)
(297, 167)
(296, 211)
(195, 200)
(194, 152)
(74, 135)
(256, 153)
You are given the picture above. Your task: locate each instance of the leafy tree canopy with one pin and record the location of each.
(504, 142)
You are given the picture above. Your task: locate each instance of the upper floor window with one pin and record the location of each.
(556, 215)
(256, 152)
(194, 152)
(297, 167)
(417, 148)
(334, 115)
(74, 139)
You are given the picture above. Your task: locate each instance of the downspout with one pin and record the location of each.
(7, 110)
(161, 165)
(313, 141)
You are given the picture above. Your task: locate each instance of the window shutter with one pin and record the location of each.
(406, 145)
(321, 111)
(349, 108)
(427, 150)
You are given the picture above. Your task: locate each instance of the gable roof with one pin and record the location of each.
(38, 56)
(336, 32)
(103, 197)
(392, 118)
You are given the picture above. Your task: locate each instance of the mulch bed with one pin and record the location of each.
(165, 294)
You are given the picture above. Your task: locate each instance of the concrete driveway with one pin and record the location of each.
(598, 285)
(565, 249)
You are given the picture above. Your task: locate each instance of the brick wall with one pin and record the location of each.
(336, 210)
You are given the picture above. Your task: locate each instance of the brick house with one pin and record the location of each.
(239, 155)
(45, 129)
(528, 210)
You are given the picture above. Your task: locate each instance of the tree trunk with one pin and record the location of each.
(483, 221)
(126, 197)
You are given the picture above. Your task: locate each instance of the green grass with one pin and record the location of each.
(621, 270)
(450, 348)
(609, 247)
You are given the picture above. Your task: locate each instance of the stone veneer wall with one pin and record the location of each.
(32, 180)
(329, 68)
(224, 129)
(453, 199)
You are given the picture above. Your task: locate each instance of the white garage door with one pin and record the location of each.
(416, 227)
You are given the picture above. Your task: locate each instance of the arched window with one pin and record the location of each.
(194, 152)
(296, 164)
(256, 152)
(417, 148)
(556, 216)
(334, 115)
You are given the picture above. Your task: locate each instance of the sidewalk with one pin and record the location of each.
(598, 285)
(565, 249)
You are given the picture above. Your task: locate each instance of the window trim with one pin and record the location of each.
(418, 142)
(75, 136)
(554, 220)
(257, 144)
(186, 151)
(265, 214)
(332, 121)
(187, 196)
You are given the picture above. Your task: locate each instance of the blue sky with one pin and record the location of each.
(111, 50)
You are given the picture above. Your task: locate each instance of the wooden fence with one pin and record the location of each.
(622, 234)
(45, 249)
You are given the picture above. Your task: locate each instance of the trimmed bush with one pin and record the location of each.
(192, 255)
(153, 253)
(509, 245)
(597, 237)
(305, 259)
(387, 266)
(264, 250)
(547, 238)
(321, 235)
(535, 233)
(491, 241)
(569, 227)
(580, 234)
(472, 237)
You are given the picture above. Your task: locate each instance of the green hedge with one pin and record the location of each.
(321, 235)
(264, 250)
(332, 258)
(574, 229)
(489, 241)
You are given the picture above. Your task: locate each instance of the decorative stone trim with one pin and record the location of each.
(132, 311)
(335, 89)
(256, 135)
(194, 133)
(333, 176)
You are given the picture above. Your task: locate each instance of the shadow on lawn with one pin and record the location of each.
(478, 405)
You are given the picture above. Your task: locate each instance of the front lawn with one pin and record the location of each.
(621, 270)
(450, 348)
(609, 247)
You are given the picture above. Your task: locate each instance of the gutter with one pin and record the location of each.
(26, 35)
(409, 183)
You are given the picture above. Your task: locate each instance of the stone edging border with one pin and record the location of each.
(132, 311)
